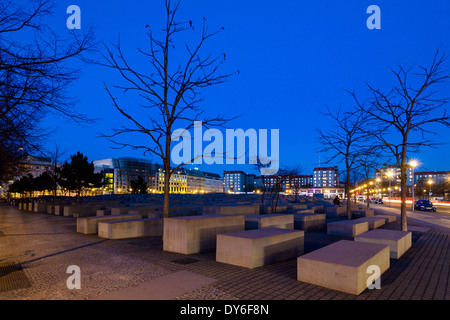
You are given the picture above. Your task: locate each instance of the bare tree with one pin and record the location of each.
(295, 184)
(34, 75)
(170, 90)
(345, 143)
(405, 115)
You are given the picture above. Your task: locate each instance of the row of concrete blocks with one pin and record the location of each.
(340, 266)
(134, 225)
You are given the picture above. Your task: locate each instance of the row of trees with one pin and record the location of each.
(77, 175)
(390, 125)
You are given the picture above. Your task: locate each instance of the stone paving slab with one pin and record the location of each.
(45, 245)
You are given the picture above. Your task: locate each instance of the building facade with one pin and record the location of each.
(187, 180)
(394, 170)
(433, 176)
(326, 177)
(120, 172)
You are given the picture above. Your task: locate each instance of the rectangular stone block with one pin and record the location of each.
(58, 210)
(335, 212)
(387, 218)
(50, 209)
(364, 212)
(103, 212)
(285, 221)
(343, 265)
(89, 225)
(398, 241)
(374, 222)
(40, 207)
(309, 221)
(81, 210)
(130, 228)
(193, 234)
(347, 228)
(259, 247)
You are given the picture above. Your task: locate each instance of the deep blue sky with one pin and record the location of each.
(294, 57)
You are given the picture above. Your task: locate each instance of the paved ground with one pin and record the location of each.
(36, 249)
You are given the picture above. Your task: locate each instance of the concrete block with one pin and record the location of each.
(193, 234)
(50, 209)
(259, 247)
(387, 218)
(89, 225)
(343, 265)
(130, 228)
(335, 212)
(374, 222)
(363, 212)
(285, 221)
(316, 208)
(58, 210)
(103, 212)
(40, 207)
(309, 221)
(398, 241)
(347, 228)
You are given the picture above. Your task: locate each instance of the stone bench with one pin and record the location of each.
(259, 247)
(309, 221)
(285, 221)
(398, 241)
(387, 218)
(89, 225)
(194, 234)
(81, 210)
(103, 212)
(335, 212)
(343, 265)
(374, 222)
(58, 210)
(40, 207)
(316, 208)
(360, 213)
(246, 210)
(50, 209)
(347, 228)
(130, 228)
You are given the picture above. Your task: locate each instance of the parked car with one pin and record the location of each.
(424, 205)
(378, 201)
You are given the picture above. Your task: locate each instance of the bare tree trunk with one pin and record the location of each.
(166, 191)
(403, 179)
(347, 195)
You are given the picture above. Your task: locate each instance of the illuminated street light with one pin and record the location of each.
(389, 174)
(430, 182)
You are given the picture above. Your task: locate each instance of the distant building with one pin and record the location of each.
(382, 174)
(186, 180)
(121, 171)
(300, 181)
(37, 165)
(326, 177)
(435, 176)
(238, 181)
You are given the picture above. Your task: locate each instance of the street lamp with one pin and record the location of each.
(430, 182)
(389, 175)
(413, 164)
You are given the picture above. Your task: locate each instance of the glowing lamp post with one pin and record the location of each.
(389, 175)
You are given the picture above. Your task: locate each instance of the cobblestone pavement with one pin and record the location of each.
(36, 249)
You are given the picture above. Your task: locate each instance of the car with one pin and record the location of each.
(378, 201)
(424, 205)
